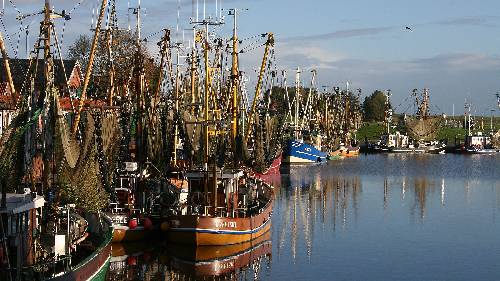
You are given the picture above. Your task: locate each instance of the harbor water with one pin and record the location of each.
(375, 217)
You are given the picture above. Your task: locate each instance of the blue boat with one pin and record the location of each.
(297, 152)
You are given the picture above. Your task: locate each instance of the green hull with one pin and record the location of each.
(101, 275)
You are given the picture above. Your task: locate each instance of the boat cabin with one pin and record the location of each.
(394, 140)
(478, 141)
(20, 217)
(222, 193)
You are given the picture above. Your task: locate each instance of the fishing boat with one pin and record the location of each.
(344, 151)
(478, 144)
(297, 152)
(303, 147)
(475, 142)
(224, 207)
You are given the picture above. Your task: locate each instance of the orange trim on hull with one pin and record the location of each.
(214, 239)
(129, 235)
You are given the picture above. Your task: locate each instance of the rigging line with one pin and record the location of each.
(15, 7)
(58, 49)
(247, 49)
(16, 51)
(145, 39)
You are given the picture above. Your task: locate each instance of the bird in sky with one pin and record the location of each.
(409, 29)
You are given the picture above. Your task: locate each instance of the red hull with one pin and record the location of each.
(268, 175)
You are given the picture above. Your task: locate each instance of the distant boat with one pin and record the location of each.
(297, 152)
(345, 151)
(478, 144)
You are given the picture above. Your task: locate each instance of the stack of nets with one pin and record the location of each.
(80, 174)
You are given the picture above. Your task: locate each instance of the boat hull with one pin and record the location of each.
(126, 234)
(205, 230)
(274, 169)
(94, 267)
(299, 153)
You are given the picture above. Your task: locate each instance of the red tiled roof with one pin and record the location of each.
(66, 103)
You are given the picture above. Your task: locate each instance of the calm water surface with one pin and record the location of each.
(377, 217)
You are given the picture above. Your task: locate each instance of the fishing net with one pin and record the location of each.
(423, 129)
(84, 175)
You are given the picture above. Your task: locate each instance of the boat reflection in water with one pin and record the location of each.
(134, 261)
(308, 201)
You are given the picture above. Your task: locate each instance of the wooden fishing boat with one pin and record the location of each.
(223, 208)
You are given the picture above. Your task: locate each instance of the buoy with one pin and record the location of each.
(164, 226)
(131, 260)
(132, 224)
(148, 225)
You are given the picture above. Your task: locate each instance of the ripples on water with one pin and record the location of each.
(376, 217)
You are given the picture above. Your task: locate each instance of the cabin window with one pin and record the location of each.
(26, 221)
(13, 222)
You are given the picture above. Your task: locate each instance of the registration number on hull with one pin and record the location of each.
(226, 224)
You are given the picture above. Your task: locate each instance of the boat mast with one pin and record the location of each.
(467, 117)
(176, 102)
(7, 68)
(307, 110)
(207, 92)
(49, 78)
(193, 70)
(109, 42)
(235, 81)
(269, 44)
(297, 100)
(104, 3)
(388, 112)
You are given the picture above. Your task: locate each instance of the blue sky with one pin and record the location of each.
(453, 49)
